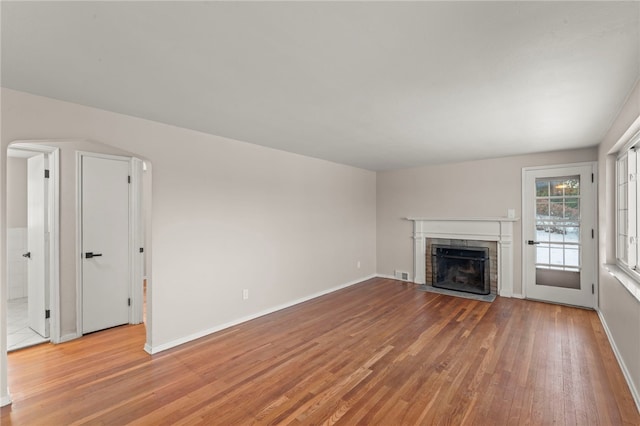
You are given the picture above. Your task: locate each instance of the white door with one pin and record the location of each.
(559, 250)
(105, 242)
(37, 231)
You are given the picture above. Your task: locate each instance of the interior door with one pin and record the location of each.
(105, 242)
(37, 234)
(559, 234)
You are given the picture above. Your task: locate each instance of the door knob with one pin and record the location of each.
(90, 254)
(27, 255)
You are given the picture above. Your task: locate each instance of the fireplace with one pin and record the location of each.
(498, 231)
(461, 268)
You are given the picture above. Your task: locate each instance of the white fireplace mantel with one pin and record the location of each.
(499, 229)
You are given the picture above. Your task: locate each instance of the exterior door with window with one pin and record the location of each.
(559, 250)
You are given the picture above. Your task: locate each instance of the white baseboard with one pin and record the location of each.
(623, 367)
(517, 296)
(68, 337)
(163, 347)
(391, 277)
(5, 400)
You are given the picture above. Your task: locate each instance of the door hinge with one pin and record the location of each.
(128, 179)
(593, 289)
(591, 177)
(47, 314)
(593, 234)
(46, 173)
(129, 302)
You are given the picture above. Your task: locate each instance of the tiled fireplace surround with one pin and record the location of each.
(493, 232)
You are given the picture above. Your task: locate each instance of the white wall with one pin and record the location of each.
(16, 227)
(619, 310)
(485, 188)
(226, 215)
(16, 192)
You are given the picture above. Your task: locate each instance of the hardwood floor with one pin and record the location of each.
(379, 352)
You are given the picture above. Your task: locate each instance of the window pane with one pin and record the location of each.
(542, 207)
(557, 235)
(572, 186)
(622, 196)
(622, 248)
(622, 222)
(572, 257)
(543, 235)
(557, 187)
(557, 209)
(572, 208)
(557, 256)
(622, 170)
(542, 255)
(542, 188)
(625, 212)
(572, 235)
(569, 185)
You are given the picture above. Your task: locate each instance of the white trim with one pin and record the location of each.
(560, 166)
(628, 138)
(78, 244)
(163, 347)
(466, 219)
(390, 277)
(53, 213)
(5, 400)
(625, 371)
(498, 229)
(54, 246)
(136, 242)
(625, 278)
(69, 337)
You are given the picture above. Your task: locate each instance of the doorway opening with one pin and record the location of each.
(32, 245)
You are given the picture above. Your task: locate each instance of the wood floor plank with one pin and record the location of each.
(379, 352)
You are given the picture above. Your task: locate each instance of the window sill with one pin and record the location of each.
(625, 278)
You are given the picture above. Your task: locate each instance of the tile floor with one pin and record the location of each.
(19, 335)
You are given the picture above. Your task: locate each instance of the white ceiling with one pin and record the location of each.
(378, 85)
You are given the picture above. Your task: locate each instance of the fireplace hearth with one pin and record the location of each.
(461, 268)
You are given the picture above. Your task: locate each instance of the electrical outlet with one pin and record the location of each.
(245, 294)
(358, 264)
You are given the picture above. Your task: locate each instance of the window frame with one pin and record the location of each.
(627, 171)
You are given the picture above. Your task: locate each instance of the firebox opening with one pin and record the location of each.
(461, 268)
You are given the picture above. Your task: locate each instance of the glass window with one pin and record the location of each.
(558, 223)
(627, 209)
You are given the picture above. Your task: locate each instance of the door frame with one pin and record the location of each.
(136, 237)
(53, 213)
(589, 263)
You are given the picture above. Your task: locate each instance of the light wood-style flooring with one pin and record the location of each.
(380, 352)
